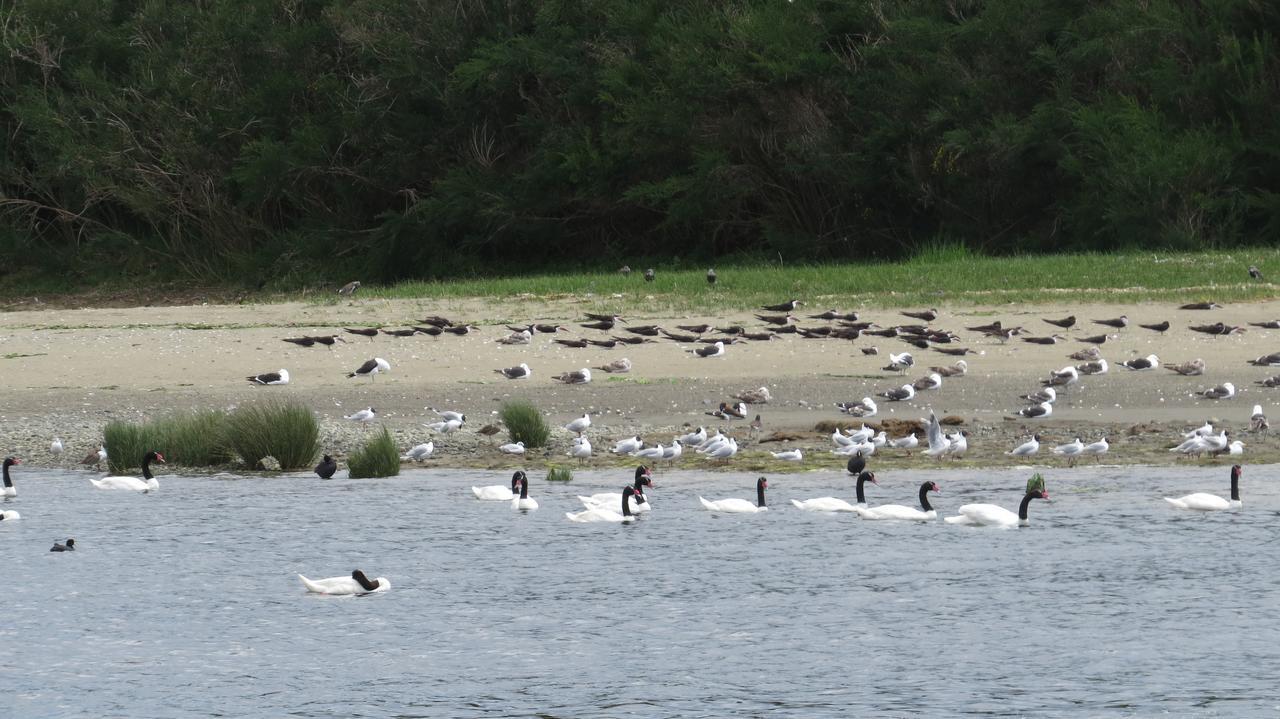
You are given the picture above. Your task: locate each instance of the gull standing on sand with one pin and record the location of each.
(520, 371)
(450, 415)
(1070, 450)
(579, 425)
(908, 442)
(938, 444)
(368, 414)
(1028, 448)
(55, 447)
(1096, 449)
(694, 438)
(899, 363)
(1093, 368)
(445, 426)
(371, 368)
(581, 449)
(421, 452)
(628, 445)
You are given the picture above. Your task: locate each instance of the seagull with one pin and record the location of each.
(1158, 327)
(512, 448)
(900, 362)
(522, 337)
(1064, 377)
(1087, 355)
(1254, 272)
(628, 445)
(959, 369)
(520, 371)
(1142, 363)
(579, 425)
(1027, 448)
(1258, 421)
(459, 417)
(371, 368)
(648, 275)
(1092, 368)
(1193, 368)
(694, 438)
(938, 444)
(349, 288)
(1070, 451)
(865, 408)
(908, 442)
(1204, 429)
(1271, 360)
(674, 451)
(933, 381)
(1048, 394)
(1201, 306)
(760, 395)
(581, 376)
(711, 275)
(959, 444)
(654, 453)
(725, 451)
(281, 377)
(1235, 448)
(445, 426)
(1119, 323)
(901, 394)
(421, 452)
(1065, 323)
(55, 447)
(368, 414)
(1097, 449)
(715, 350)
(581, 449)
(616, 366)
(790, 455)
(1226, 390)
(1270, 381)
(1038, 411)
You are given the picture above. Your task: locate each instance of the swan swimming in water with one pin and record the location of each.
(9, 489)
(603, 514)
(901, 512)
(147, 483)
(9, 515)
(497, 492)
(1204, 502)
(835, 504)
(734, 505)
(991, 515)
(524, 501)
(643, 478)
(357, 583)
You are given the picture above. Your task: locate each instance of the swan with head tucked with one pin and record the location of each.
(734, 505)
(524, 501)
(497, 492)
(357, 583)
(604, 514)
(9, 489)
(643, 478)
(834, 504)
(992, 515)
(147, 483)
(901, 512)
(1204, 502)
(9, 515)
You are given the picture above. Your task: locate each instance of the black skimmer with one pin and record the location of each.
(776, 319)
(576, 344)
(1217, 328)
(432, 331)
(1271, 360)
(1158, 327)
(1201, 306)
(928, 315)
(632, 340)
(603, 325)
(1095, 340)
(645, 330)
(1119, 323)
(369, 332)
(1065, 323)
(461, 329)
(281, 377)
(437, 321)
(301, 341)
(1050, 340)
(1272, 325)
(957, 351)
(400, 333)
(679, 337)
(696, 329)
(607, 344)
(788, 306)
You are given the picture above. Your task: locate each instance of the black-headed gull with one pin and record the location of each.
(579, 425)
(368, 414)
(1026, 449)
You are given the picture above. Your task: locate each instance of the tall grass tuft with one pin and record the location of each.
(559, 474)
(377, 458)
(525, 424)
(126, 443)
(287, 431)
(189, 439)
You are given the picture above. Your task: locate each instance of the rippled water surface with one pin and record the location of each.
(185, 603)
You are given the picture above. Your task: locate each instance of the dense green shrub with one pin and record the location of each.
(525, 424)
(187, 439)
(378, 457)
(287, 431)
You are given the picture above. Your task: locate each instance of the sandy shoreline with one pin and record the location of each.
(69, 371)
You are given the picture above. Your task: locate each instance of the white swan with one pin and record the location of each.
(992, 515)
(524, 501)
(834, 504)
(734, 505)
(602, 514)
(9, 489)
(902, 512)
(357, 583)
(497, 492)
(9, 514)
(146, 483)
(1204, 502)
(610, 499)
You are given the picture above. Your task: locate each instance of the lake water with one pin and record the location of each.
(185, 603)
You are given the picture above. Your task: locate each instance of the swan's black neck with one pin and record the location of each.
(626, 501)
(1235, 482)
(760, 484)
(365, 582)
(1022, 508)
(862, 478)
(7, 482)
(146, 467)
(524, 488)
(924, 496)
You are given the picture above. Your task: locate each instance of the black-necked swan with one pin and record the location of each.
(740, 506)
(524, 501)
(643, 478)
(604, 514)
(326, 468)
(497, 492)
(992, 515)
(834, 504)
(1204, 502)
(898, 511)
(10, 515)
(146, 483)
(9, 489)
(70, 546)
(357, 583)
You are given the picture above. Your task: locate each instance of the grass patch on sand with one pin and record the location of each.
(525, 424)
(186, 439)
(287, 431)
(377, 457)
